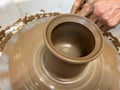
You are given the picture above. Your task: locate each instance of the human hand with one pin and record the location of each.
(105, 13)
(82, 7)
(108, 11)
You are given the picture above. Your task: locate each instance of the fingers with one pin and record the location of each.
(82, 7)
(99, 8)
(103, 26)
(93, 17)
(76, 6)
(108, 11)
(111, 18)
(115, 19)
(105, 6)
(86, 8)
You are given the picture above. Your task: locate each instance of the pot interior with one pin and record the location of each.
(73, 39)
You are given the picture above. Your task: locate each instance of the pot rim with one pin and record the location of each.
(95, 30)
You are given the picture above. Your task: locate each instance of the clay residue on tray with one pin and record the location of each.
(113, 39)
(9, 31)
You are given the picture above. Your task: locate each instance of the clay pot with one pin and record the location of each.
(67, 52)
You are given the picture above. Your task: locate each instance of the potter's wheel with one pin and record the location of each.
(22, 46)
(18, 65)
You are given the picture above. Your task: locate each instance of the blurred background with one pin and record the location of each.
(12, 10)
